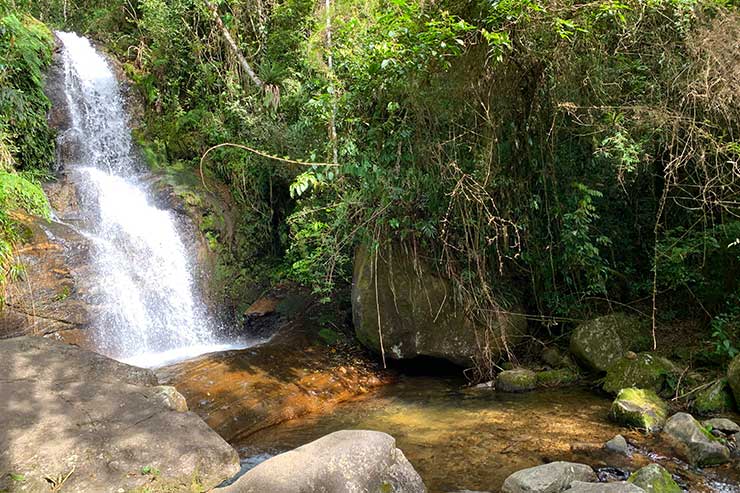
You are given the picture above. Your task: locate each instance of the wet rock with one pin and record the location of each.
(554, 477)
(56, 293)
(599, 343)
(724, 425)
(342, 461)
(733, 377)
(521, 380)
(555, 378)
(618, 487)
(645, 371)
(696, 444)
(717, 398)
(419, 312)
(639, 408)
(107, 420)
(618, 444)
(654, 479)
(171, 398)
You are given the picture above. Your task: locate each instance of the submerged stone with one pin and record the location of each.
(639, 408)
(555, 378)
(521, 380)
(696, 444)
(717, 398)
(601, 342)
(554, 477)
(644, 371)
(654, 479)
(348, 460)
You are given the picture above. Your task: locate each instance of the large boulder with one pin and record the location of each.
(644, 371)
(419, 311)
(104, 425)
(733, 377)
(695, 442)
(341, 462)
(55, 294)
(618, 487)
(639, 408)
(599, 343)
(717, 398)
(654, 478)
(554, 477)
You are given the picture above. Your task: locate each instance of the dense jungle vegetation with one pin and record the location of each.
(576, 154)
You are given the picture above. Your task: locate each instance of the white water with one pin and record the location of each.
(150, 313)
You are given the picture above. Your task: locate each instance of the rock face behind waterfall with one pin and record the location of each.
(54, 295)
(419, 314)
(104, 424)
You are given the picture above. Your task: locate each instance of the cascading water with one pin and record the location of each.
(151, 315)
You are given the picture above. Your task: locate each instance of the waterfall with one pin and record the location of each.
(151, 314)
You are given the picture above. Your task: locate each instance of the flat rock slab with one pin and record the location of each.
(102, 425)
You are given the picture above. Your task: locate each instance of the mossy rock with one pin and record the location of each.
(639, 408)
(733, 377)
(694, 442)
(717, 398)
(646, 371)
(599, 343)
(654, 479)
(555, 378)
(520, 380)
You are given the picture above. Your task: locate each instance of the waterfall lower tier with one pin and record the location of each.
(152, 314)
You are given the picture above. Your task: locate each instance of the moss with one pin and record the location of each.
(516, 380)
(647, 371)
(554, 378)
(639, 408)
(717, 398)
(654, 479)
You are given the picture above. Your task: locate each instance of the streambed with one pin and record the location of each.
(460, 438)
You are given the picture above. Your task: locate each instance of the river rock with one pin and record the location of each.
(555, 378)
(733, 377)
(654, 479)
(343, 461)
(644, 371)
(55, 296)
(420, 313)
(599, 343)
(554, 477)
(696, 444)
(520, 380)
(70, 411)
(639, 408)
(726, 426)
(617, 487)
(717, 398)
(618, 445)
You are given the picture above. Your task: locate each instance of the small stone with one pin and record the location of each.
(631, 355)
(724, 425)
(520, 380)
(554, 477)
(654, 479)
(698, 446)
(552, 357)
(485, 385)
(639, 408)
(618, 444)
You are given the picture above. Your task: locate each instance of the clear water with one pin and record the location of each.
(151, 313)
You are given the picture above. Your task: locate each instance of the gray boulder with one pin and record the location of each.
(697, 445)
(520, 380)
(342, 462)
(726, 426)
(654, 479)
(554, 477)
(619, 487)
(66, 411)
(599, 343)
(420, 312)
(618, 445)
